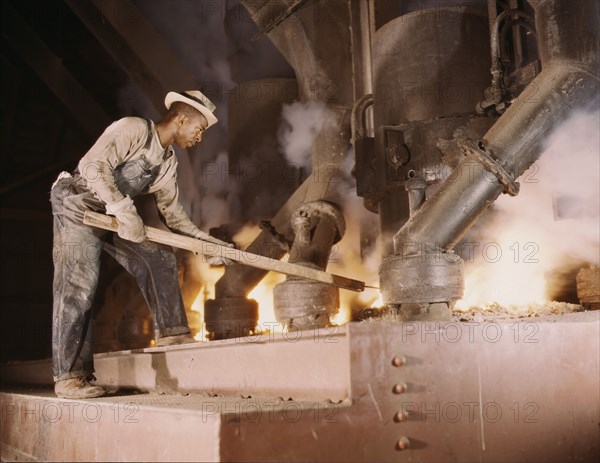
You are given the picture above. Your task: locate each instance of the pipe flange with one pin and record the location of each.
(421, 278)
(298, 298)
(315, 210)
(483, 156)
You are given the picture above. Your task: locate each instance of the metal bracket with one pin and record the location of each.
(490, 164)
(281, 240)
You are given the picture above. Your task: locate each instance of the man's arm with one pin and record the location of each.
(171, 210)
(117, 144)
(174, 217)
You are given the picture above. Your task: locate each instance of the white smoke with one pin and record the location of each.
(560, 197)
(215, 180)
(349, 257)
(194, 33)
(301, 124)
(551, 228)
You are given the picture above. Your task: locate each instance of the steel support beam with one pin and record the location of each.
(52, 72)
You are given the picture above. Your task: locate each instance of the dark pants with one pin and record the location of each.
(76, 253)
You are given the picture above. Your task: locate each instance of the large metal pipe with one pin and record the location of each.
(429, 68)
(568, 34)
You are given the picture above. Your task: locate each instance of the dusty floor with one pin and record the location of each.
(497, 312)
(487, 313)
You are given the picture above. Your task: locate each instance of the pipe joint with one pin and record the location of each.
(484, 156)
(309, 214)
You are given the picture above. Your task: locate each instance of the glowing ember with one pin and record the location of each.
(342, 317)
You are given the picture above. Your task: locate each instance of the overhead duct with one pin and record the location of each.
(568, 38)
(319, 52)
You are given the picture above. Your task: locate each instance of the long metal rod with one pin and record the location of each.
(216, 250)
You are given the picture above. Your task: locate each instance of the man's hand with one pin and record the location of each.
(131, 226)
(215, 260)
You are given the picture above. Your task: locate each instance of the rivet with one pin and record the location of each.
(403, 443)
(398, 361)
(400, 416)
(399, 388)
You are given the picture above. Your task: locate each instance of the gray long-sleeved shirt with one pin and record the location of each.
(124, 141)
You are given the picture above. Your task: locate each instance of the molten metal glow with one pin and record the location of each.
(505, 279)
(263, 294)
(508, 267)
(198, 306)
(347, 263)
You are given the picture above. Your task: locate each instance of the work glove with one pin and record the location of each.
(131, 226)
(214, 260)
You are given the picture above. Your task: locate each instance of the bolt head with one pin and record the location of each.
(399, 388)
(403, 443)
(398, 360)
(400, 416)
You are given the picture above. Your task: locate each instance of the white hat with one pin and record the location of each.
(195, 99)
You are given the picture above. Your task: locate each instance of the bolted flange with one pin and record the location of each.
(230, 317)
(422, 286)
(304, 304)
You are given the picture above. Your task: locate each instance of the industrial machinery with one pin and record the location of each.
(428, 112)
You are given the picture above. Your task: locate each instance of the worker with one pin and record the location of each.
(132, 157)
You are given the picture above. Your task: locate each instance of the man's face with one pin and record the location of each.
(190, 130)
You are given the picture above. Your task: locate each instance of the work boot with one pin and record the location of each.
(175, 340)
(77, 388)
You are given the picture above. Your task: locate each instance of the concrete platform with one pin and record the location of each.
(140, 427)
(519, 390)
(308, 365)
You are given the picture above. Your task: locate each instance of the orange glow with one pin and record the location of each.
(552, 224)
(508, 266)
(263, 294)
(347, 263)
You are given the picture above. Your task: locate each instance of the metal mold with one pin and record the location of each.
(422, 278)
(230, 317)
(302, 304)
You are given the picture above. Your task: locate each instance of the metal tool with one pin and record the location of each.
(212, 249)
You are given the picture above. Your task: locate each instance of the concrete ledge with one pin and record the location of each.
(36, 426)
(39, 426)
(307, 365)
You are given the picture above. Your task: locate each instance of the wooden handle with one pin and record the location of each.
(216, 250)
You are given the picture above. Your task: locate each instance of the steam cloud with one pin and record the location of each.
(550, 230)
(301, 124)
(561, 199)
(195, 34)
